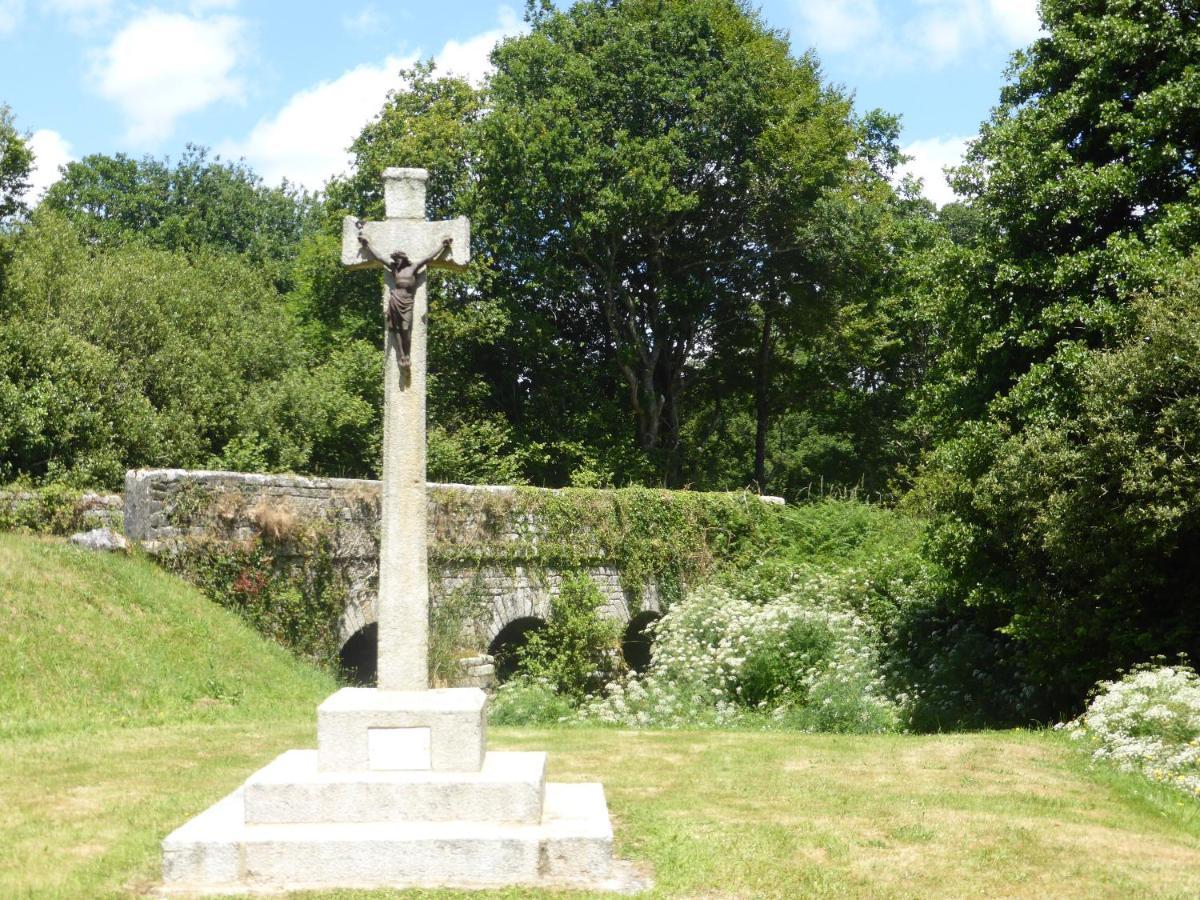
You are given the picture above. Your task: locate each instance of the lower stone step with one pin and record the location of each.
(217, 852)
(292, 789)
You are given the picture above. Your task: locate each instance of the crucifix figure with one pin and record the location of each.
(403, 236)
(403, 288)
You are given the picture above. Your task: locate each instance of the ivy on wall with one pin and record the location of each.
(255, 554)
(660, 537)
(55, 509)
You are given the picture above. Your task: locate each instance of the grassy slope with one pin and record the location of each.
(118, 724)
(91, 641)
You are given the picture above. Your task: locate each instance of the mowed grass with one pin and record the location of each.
(149, 704)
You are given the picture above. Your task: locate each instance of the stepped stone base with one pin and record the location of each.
(400, 794)
(509, 788)
(218, 853)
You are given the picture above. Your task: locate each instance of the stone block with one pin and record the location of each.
(205, 850)
(455, 719)
(218, 853)
(509, 788)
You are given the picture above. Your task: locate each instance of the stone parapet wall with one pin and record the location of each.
(477, 541)
(59, 512)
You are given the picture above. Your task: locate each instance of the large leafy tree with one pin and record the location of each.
(16, 163)
(195, 202)
(1083, 196)
(1084, 184)
(644, 169)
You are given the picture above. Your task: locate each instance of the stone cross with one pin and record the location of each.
(403, 604)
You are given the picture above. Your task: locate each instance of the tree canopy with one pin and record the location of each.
(1084, 197)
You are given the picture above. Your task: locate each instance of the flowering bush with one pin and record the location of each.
(528, 701)
(801, 660)
(1149, 722)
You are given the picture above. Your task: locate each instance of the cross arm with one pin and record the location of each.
(418, 239)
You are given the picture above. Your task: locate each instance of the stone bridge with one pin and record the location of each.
(483, 544)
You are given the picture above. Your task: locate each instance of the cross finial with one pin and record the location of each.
(404, 193)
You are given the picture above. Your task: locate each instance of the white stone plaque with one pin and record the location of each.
(389, 749)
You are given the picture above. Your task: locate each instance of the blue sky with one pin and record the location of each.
(287, 85)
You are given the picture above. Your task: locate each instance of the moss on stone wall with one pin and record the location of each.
(652, 537)
(57, 510)
(295, 555)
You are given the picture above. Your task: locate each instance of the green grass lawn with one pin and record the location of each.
(128, 704)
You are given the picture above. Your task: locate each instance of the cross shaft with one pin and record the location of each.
(403, 598)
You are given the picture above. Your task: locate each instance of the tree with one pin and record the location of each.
(1084, 181)
(642, 171)
(16, 163)
(114, 358)
(1083, 193)
(197, 202)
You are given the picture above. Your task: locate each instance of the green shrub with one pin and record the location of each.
(578, 651)
(803, 659)
(525, 701)
(1069, 519)
(54, 509)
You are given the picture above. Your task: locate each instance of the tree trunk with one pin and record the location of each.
(762, 382)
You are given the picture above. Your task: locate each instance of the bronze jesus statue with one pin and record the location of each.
(404, 288)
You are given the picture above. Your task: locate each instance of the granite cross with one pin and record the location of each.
(403, 602)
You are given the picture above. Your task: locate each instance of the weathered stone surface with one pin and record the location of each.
(508, 788)
(399, 792)
(217, 852)
(454, 717)
(159, 504)
(101, 539)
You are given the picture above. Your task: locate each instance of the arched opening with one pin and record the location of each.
(637, 640)
(506, 645)
(359, 657)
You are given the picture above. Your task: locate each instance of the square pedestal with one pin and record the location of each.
(509, 788)
(369, 730)
(399, 794)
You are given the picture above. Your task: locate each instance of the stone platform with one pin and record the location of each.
(401, 793)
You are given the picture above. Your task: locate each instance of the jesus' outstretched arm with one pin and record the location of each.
(443, 249)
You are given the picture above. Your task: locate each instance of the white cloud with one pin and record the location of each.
(469, 58)
(947, 30)
(930, 157)
(50, 150)
(839, 25)
(927, 33)
(11, 13)
(306, 141)
(361, 22)
(1017, 18)
(165, 65)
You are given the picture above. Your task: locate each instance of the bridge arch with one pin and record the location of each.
(512, 596)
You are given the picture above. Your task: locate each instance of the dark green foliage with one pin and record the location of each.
(1062, 485)
(1084, 187)
(16, 162)
(196, 203)
(1079, 530)
(578, 652)
(644, 166)
(128, 357)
